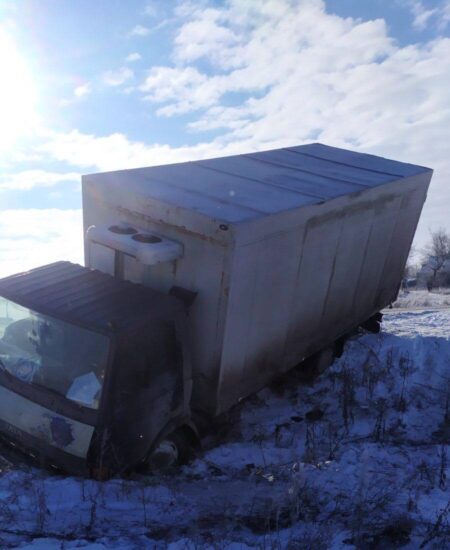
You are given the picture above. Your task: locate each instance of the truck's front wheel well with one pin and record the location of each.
(187, 440)
(173, 448)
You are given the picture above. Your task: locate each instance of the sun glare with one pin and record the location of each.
(17, 94)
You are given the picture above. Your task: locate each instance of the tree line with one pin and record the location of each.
(433, 268)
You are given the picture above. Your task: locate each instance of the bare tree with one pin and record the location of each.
(411, 267)
(437, 252)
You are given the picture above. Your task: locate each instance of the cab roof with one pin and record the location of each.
(87, 297)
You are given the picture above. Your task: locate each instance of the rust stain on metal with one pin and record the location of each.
(180, 228)
(373, 204)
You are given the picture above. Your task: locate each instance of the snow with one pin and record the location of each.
(422, 298)
(357, 459)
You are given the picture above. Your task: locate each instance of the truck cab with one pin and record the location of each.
(94, 372)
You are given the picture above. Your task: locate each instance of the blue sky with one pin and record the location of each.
(99, 85)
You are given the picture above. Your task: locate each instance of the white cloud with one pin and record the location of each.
(82, 90)
(118, 77)
(132, 57)
(298, 74)
(31, 237)
(185, 88)
(276, 41)
(422, 14)
(140, 30)
(444, 16)
(79, 93)
(115, 151)
(29, 179)
(204, 36)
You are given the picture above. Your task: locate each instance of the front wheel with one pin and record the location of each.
(174, 450)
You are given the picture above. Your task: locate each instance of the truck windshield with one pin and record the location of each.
(44, 351)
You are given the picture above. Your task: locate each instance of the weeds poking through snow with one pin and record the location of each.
(41, 505)
(310, 454)
(440, 529)
(347, 396)
(144, 505)
(333, 440)
(406, 367)
(447, 406)
(379, 430)
(284, 436)
(443, 467)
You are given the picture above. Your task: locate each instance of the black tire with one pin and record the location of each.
(178, 448)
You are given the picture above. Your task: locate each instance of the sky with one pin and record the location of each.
(93, 86)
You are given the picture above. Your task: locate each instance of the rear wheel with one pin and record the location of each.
(314, 365)
(373, 324)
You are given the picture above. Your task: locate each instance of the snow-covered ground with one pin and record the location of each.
(358, 459)
(423, 298)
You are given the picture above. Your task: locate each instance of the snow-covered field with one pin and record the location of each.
(423, 298)
(358, 459)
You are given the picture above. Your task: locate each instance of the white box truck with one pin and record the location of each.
(269, 257)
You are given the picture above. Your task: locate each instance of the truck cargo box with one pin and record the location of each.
(287, 250)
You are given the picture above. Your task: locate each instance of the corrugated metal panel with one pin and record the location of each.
(273, 170)
(362, 160)
(86, 296)
(336, 174)
(231, 188)
(244, 187)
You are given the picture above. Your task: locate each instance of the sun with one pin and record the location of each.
(17, 94)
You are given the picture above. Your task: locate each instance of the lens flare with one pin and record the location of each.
(17, 94)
